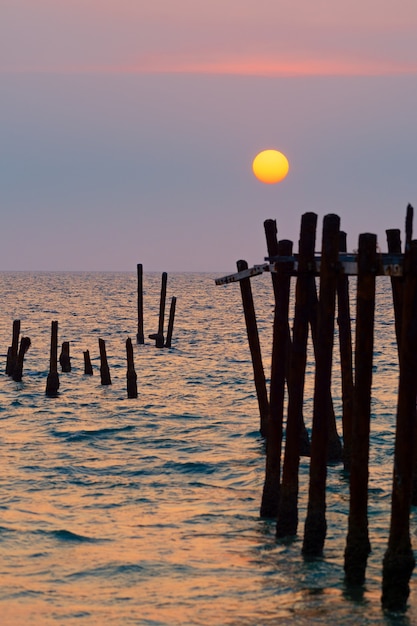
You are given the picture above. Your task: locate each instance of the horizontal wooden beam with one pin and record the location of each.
(387, 265)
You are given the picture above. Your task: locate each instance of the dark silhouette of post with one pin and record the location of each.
(131, 376)
(18, 368)
(12, 351)
(64, 357)
(255, 348)
(287, 520)
(104, 366)
(52, 381)
(140, 338)
(397, 282)
(399, 559)
(159, 336)
(88, 368)
(345, 346)
(315, 524)
(168, 339)
(357, 543)
(270, 495)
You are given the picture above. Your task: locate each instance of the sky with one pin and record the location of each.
(128, 127)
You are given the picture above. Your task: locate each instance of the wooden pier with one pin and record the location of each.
(334, 266)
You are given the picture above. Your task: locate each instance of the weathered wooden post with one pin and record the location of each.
(254, 346)
(140, 338)
(132, 387)
(12, 351)
(345, 346)
(104, 366)
(64, 357)
(159, 336)
(52, 381)
(88, 368)
(315, 524)
(397, 282)
(399, 558)
(271, 231)
(270, 495)
(18, 368)
(357, 543)
(287, 519)
(334, 444)
(168, 339)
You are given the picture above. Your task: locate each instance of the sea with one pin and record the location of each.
(145, 511)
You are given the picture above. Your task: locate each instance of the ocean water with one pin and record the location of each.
(146, 511)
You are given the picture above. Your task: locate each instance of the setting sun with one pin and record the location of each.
(270, 166)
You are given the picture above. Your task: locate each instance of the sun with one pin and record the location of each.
(270, 166)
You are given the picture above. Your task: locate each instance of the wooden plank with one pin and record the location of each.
(387, 265)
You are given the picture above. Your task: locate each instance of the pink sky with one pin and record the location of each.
(262, 37)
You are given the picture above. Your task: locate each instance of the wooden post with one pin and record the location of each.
(64, 357)
(159, 336)
(255, 348)
(140, 336)
(357, 543)
(345, 345)
(104, 367)
(334, 445)
(52, 382)
(12, 351)
(399, 558)
(88, 368)
(270, 227)
(168, 339)
(132, 388)
(270, 495)
(18, 369)
(397, 282)
(315, 525)
(287, 520)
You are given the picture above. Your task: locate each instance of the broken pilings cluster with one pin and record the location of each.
(288, 362)
(158, 337)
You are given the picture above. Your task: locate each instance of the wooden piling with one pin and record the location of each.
(104, 366)
(399, 559)
(357, 543)
(315, 524)
(168, 339)
(287, 519)
(334, 444)
(345, 347)
(52, 381)
(88, 368)
(159, 336)
(131, 376)
(140, 338)
(18, 368)
(397, 282)
(64, 357)
(12, 350)
(255, 348)
(270, 495)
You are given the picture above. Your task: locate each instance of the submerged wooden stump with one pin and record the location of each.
(104, 366)
(12, 350)
(159, 336)
(131, 376)
(52, 382)
(140, 336)
(64, 357)
(88, 368)
(18, 368)
(168, 339)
